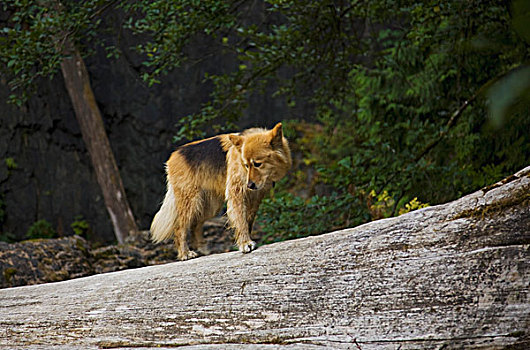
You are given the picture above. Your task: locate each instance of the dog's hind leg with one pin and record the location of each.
(189, 207)
(184, 252)
(212, 204)
(197, 240)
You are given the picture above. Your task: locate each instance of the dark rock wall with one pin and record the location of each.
(54, 179)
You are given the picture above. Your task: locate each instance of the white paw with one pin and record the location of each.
(189, 255)
(247, 247)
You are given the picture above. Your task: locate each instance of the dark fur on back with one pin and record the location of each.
(208, 152)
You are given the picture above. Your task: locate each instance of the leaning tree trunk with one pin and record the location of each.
(450, 276)
(88, 115)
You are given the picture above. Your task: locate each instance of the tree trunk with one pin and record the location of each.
(450, 276)
(88, 115)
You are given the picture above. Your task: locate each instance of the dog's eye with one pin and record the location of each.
(257, 165)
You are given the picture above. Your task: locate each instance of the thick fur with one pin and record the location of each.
(237, 168)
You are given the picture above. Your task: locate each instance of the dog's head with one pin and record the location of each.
(264, 154)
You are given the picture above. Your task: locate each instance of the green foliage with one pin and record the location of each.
(170, 26)
(41, 229)
(287, 216)
(32, 40)
(400, 90)
(80, 226)
(413, 121)
(10, 163)
(521, 18)
(311, 39)
(414, 204)
(7, 237)
(414, 101)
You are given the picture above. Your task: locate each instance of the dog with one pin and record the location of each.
(238, 169)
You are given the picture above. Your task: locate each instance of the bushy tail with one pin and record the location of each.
(163, 223)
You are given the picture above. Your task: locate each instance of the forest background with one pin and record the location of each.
(389, 105)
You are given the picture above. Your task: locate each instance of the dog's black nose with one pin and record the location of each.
(251, 185)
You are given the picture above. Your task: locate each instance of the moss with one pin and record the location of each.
(500, 183)
(521, 197)
(506, 180)
(9, 273)
(517, 334)
(273, 339)
(79, 243)
(242, 339)
(51, 276)
(105, 253)
(126, 344)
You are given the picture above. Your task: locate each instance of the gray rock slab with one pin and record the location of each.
(448, 276)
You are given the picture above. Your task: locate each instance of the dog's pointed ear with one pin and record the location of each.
(277, 136)
(237, 140)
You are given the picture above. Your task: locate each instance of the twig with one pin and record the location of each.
(103, 9)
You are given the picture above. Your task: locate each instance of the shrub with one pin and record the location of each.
(41, 229)
(80, 226)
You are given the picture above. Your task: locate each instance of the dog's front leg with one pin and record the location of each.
(241, 218)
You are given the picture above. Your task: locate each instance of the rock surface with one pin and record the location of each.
(45, 260)
(449, 276)
(53, 260)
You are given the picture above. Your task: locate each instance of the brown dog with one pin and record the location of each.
(237, 168)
